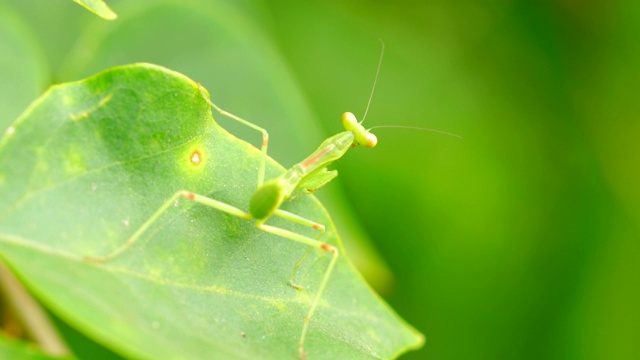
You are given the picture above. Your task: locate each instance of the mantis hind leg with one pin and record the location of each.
(295, 270)
(161, 210)
(303, 221)
(325, 278)
(265, 134)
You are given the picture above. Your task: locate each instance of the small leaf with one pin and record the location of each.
(99, 8)
(90, 161)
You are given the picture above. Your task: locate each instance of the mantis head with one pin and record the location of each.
(362, 136)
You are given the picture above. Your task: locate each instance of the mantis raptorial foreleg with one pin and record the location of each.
(313, 183)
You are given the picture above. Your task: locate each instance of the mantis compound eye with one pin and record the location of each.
(372, 140)
(349, 121)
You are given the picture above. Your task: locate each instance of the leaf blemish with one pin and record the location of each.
(105, 100)
(84, 114)
(195, 157)
(79, 116)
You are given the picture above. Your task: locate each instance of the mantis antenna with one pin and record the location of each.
(375, 81)
(373, 88)
(416, 128)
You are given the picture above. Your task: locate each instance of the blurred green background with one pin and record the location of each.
(518, 242)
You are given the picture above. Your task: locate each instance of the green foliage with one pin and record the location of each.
(99, 8)
(21, 67)
(519, 241)
(90, 161)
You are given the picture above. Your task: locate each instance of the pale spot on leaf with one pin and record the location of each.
(195, 158)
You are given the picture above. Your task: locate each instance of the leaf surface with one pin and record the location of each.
(90, 161)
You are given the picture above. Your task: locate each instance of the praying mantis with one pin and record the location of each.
(303, 178)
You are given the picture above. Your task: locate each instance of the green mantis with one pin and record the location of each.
(305, 177)
(302, 178)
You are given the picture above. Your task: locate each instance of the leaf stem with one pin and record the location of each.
(34, 319)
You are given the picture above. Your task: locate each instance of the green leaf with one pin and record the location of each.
(90, 161)
(256, 76)
(99, 8)
(21, 350)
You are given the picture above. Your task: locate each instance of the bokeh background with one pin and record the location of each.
(520, 241)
